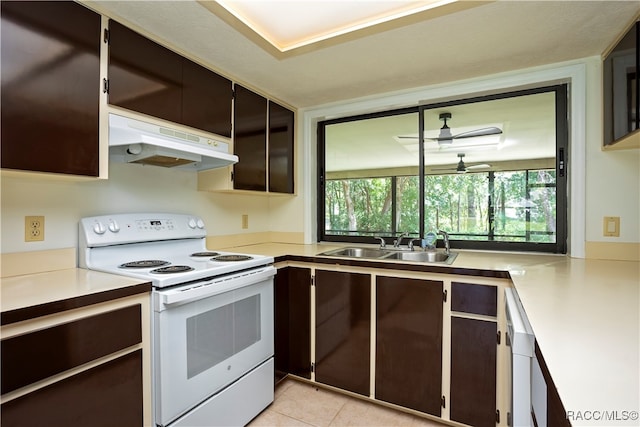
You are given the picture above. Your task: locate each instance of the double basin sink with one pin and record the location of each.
(393, 254)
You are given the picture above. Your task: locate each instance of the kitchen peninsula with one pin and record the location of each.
(584, 313)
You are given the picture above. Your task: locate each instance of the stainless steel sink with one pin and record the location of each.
(357, 253)
(428, 256)
(400, 255)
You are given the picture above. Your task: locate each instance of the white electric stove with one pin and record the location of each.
(212, 326)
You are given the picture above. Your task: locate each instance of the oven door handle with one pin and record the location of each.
(214, 287)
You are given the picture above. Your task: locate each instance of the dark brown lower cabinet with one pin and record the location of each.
(109, 395)
(343, 330)
(556, 414)
(473, 372)
(293, 322)
(67, 346)
(409, 343)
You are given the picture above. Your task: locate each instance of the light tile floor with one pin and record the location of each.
(300, 404)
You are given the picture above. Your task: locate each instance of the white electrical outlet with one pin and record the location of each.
(245, 221)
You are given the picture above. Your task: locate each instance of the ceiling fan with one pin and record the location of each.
(446, 137)
(463, 168)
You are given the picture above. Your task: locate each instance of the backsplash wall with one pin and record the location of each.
(130, 188)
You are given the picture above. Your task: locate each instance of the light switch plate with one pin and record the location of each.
(611, 226)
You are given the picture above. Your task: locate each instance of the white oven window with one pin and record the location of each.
(216, 335)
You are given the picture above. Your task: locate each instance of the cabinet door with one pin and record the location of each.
(50, 87)
(293, 322)
(109, 394)
(409, 343)
(250, 140)
(556, 414)
(206, 99)
(144, 76)
(281, 137)
(473, 372)
(343, 330)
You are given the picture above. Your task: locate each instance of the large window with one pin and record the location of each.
(490, 171)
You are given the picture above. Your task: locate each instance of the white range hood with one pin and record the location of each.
(147, 143)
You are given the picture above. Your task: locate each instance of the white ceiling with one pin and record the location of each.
(481, 39)
(291, 24)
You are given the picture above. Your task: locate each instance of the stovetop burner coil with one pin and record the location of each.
(232, 258)
(146, 263)
(172, 269)
(205, 254)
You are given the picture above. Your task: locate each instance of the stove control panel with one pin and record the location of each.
(133, 228)
(155, 224)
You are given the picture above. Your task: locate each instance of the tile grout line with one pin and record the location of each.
(338, 413)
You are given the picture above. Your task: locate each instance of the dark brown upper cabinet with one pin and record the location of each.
(206, 99)
(50, 87)
(281, 168)
(151, 79)
(144, 76)
(250, 140)
(621, 91)
(263, 140)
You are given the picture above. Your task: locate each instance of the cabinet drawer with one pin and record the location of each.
(474, 298)
(107, 395)
(38, 355)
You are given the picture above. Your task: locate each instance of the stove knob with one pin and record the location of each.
(200, 223)
(99, 228)
(113, 226)
(192, 223)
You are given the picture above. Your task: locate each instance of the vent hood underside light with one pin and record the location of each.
(157, 156)
(134, 141)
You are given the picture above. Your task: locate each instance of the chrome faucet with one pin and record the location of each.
(445, 237)
(396, 243)
(383, 244)
(411, 245)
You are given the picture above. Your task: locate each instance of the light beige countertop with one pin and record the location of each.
(585, 314)
(586, 318)
(46, 293)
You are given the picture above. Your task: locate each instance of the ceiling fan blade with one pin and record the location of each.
(482, 166)
(479, 132)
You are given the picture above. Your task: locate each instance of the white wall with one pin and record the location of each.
(130, 188)
(612, 178)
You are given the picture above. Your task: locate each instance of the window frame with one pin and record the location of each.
(561, 168)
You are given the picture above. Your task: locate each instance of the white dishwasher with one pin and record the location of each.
(522, 341)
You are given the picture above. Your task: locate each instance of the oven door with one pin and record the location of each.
(208, 335)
